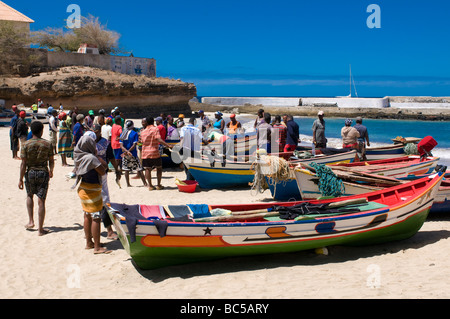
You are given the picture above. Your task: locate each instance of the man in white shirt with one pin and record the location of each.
(191, 137)
(106, 129)
(191, 143)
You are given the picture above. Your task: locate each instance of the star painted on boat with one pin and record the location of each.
(207, 231)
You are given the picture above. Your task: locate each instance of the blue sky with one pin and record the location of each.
(278, 48)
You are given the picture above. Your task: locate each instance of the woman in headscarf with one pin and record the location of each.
(219, 123)
(130, 161)
(65, 148)
(349, 135)
(89, 169)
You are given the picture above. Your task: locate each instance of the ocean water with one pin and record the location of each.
(381, 132)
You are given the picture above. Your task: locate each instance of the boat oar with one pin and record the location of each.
(349, 202)
(262, 213)
(238, 217)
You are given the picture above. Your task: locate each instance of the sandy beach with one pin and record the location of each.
(57, 266)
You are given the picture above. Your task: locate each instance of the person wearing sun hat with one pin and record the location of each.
(180, 121)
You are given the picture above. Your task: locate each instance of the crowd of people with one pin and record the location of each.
(97, 142)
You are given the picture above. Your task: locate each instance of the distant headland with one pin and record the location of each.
(395, 107)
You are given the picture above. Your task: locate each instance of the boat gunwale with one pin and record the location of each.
(390, 208)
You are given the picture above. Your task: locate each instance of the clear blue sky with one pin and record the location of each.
(278, 48)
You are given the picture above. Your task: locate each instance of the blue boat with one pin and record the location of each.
(219, 174)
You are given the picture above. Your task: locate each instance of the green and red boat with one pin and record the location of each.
(158, 236)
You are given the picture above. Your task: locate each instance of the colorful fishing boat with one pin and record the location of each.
(356, 184)
(406, 167)
(159, 236)
(244, 144)
(403, 168)
(217, 173)
(385, 152)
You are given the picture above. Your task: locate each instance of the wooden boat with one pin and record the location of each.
(245, 144)
(158, 236)
(356, 184)
(406, 167)
(402, 168)
(385, 152)
(216, 173)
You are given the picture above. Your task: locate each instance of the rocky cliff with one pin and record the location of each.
(90, 88)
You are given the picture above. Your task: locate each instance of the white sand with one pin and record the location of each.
(58, 266)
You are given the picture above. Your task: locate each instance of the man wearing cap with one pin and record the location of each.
(362, 139)
(319, 139)
(89, 121)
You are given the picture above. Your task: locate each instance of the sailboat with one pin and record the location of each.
(352, 84)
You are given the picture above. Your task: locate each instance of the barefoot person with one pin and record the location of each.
(89, 171)
(151, 158)
(37, 168)
(130, 162)
(105, 152)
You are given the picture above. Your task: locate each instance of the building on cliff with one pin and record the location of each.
(9, 14)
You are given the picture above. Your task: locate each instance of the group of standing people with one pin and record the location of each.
(288, 136)
(285, 130)
(94, 142)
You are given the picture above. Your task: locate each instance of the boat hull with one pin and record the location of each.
(380, 153)
(186, 242)
(234, 174)
(307, 186)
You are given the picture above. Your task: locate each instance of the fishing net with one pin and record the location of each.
(411, 149)
(329, 183)
(269, 169)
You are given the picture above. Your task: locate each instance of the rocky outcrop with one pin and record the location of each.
(89, 88)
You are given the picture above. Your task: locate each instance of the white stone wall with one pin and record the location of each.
(343, 102)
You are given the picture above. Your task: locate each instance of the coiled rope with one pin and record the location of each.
(329, 183)
(275, 168)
